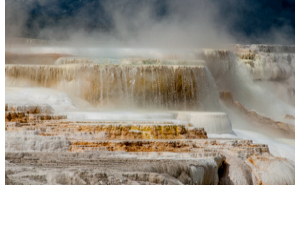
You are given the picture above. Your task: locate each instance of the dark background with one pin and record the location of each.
(249, 18)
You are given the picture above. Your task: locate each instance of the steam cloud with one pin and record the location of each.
(153, 23)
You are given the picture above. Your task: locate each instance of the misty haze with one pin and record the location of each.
(150, 92)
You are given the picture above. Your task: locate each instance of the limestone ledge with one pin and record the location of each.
(35, 159)
(31, 141)
(29, 109)
(274, 67)
(271, 170)
(44, 150)
(110, 167)
(263, 62)
(98, 130)
(30, 113)
(22, 117)
(242, 148)
(96, 169)
(264, 48)
(253, 117)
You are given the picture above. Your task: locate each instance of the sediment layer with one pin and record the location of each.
(98, 130)
(64, 152)
(31, 119)
(199, 162)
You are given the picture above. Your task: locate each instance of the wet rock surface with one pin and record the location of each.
(144, 86)
(45, 146)
(87, 168)
(253, 117)
(268, 62)
(238, 165)
(34, 156)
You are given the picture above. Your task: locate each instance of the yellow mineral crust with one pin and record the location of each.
(48, 126)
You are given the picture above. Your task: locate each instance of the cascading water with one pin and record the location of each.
(232, 74)
(185, 90)
(124, 86)
(151, 85)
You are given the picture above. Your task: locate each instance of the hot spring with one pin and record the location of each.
(241, 92)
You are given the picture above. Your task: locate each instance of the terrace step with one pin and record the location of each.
(107, 131)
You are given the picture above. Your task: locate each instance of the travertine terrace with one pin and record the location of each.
(87, 120)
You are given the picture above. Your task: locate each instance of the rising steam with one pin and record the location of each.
(160, 24)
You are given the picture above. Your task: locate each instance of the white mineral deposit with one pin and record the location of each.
(209, 118)
(114, 92)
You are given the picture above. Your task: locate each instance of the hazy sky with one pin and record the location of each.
(175, 23)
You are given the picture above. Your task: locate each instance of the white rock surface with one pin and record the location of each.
(30, 141)
(271, 171)
(212, 122)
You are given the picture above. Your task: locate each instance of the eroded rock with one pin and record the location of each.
(270, 170)
(252, 116)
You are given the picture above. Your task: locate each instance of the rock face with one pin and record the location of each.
(29, 109)
(109, 131)
(213, 162)
(271, 66)
(255, 78)
(271, 170)
(30, 141)
(212, 122)
(64, 152)
(252, 116)
(265, 48)
(30, 113)
(235, 172)
(87, 168)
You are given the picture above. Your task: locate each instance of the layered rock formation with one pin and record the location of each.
(64, 152)
(77, 134)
